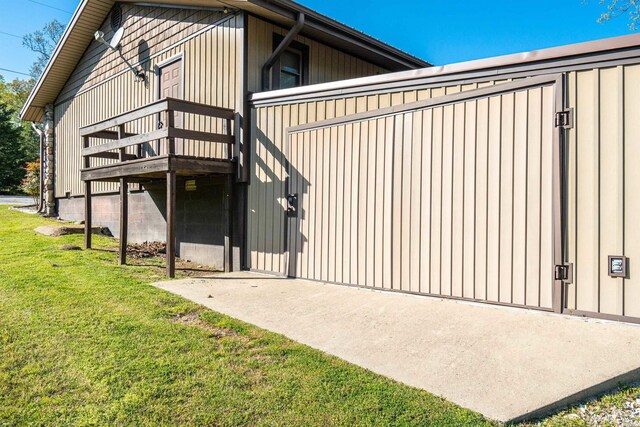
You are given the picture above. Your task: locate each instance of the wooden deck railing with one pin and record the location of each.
(120, 139)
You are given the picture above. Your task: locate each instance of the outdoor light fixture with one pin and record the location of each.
(115, 46)
(618, 266)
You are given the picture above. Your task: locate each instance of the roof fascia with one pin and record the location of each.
(53, 57)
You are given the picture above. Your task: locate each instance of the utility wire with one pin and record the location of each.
(12, 35)
(51, 7)
(15, 72)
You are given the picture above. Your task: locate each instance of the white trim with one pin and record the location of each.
(177, 57)
(500, 62)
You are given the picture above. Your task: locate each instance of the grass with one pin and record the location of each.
(600, 405)
(86, 342)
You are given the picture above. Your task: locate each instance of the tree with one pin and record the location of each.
(14, 94)
(616, 8)
(43, 42)
(19, 143)
(12, 153)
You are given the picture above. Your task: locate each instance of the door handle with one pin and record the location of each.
(292, 205)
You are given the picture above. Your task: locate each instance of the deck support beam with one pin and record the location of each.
(124, 219)
(171, 224)
(87, 214)
(228, 229)
(87, 200)
(124, 203)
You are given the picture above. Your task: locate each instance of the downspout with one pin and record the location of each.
(266, 68)
(41, 184)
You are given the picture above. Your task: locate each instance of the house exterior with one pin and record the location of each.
(264, 136)
(207, 52)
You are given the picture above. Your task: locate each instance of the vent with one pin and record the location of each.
(116, 17)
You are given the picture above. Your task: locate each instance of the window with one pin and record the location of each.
(291, 68)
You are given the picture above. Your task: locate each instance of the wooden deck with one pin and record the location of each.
(133, 161)
(150, 168)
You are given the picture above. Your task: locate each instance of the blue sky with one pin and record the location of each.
(441, 32)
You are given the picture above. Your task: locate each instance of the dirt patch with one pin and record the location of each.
(193, 319)
(146, 249)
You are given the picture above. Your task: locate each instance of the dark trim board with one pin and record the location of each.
(603, 316)
(523, 84)
(156, 168)
(421, 294)
(565, 312)
(271, 273)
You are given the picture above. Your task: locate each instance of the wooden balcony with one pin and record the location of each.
(131, 152)
(163, 150)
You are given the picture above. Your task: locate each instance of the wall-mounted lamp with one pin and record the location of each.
(115, 46)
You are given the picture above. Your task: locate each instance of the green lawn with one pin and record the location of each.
(86, 342)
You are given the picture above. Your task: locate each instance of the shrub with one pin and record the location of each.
(31, 182)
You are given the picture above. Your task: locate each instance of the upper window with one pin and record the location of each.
(291, 68)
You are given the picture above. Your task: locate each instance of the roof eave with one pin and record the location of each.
(34, 115)
(33, 108)
(288, 7)
(595, 47)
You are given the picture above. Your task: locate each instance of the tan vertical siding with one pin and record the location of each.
(207, 42)
(268, 159)
(325, 63)
(411, 202)
(456, 214)
(602, 188)
(631, 212)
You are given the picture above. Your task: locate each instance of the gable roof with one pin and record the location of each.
(90, 14)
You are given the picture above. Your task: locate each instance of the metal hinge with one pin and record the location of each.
(564, 273)
(564, 119)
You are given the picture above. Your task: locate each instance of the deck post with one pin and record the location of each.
(124, 219)
(87, 214)
(228, 246)
(231, 142)
(87, 199)
(123, 151)
(171, 224)
(124, 204)
(171, 142)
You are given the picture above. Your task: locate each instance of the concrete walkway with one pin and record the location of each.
(507, 364)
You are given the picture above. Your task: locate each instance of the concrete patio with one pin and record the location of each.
(508, 364)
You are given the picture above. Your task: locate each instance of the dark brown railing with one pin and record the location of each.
(120, 139)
